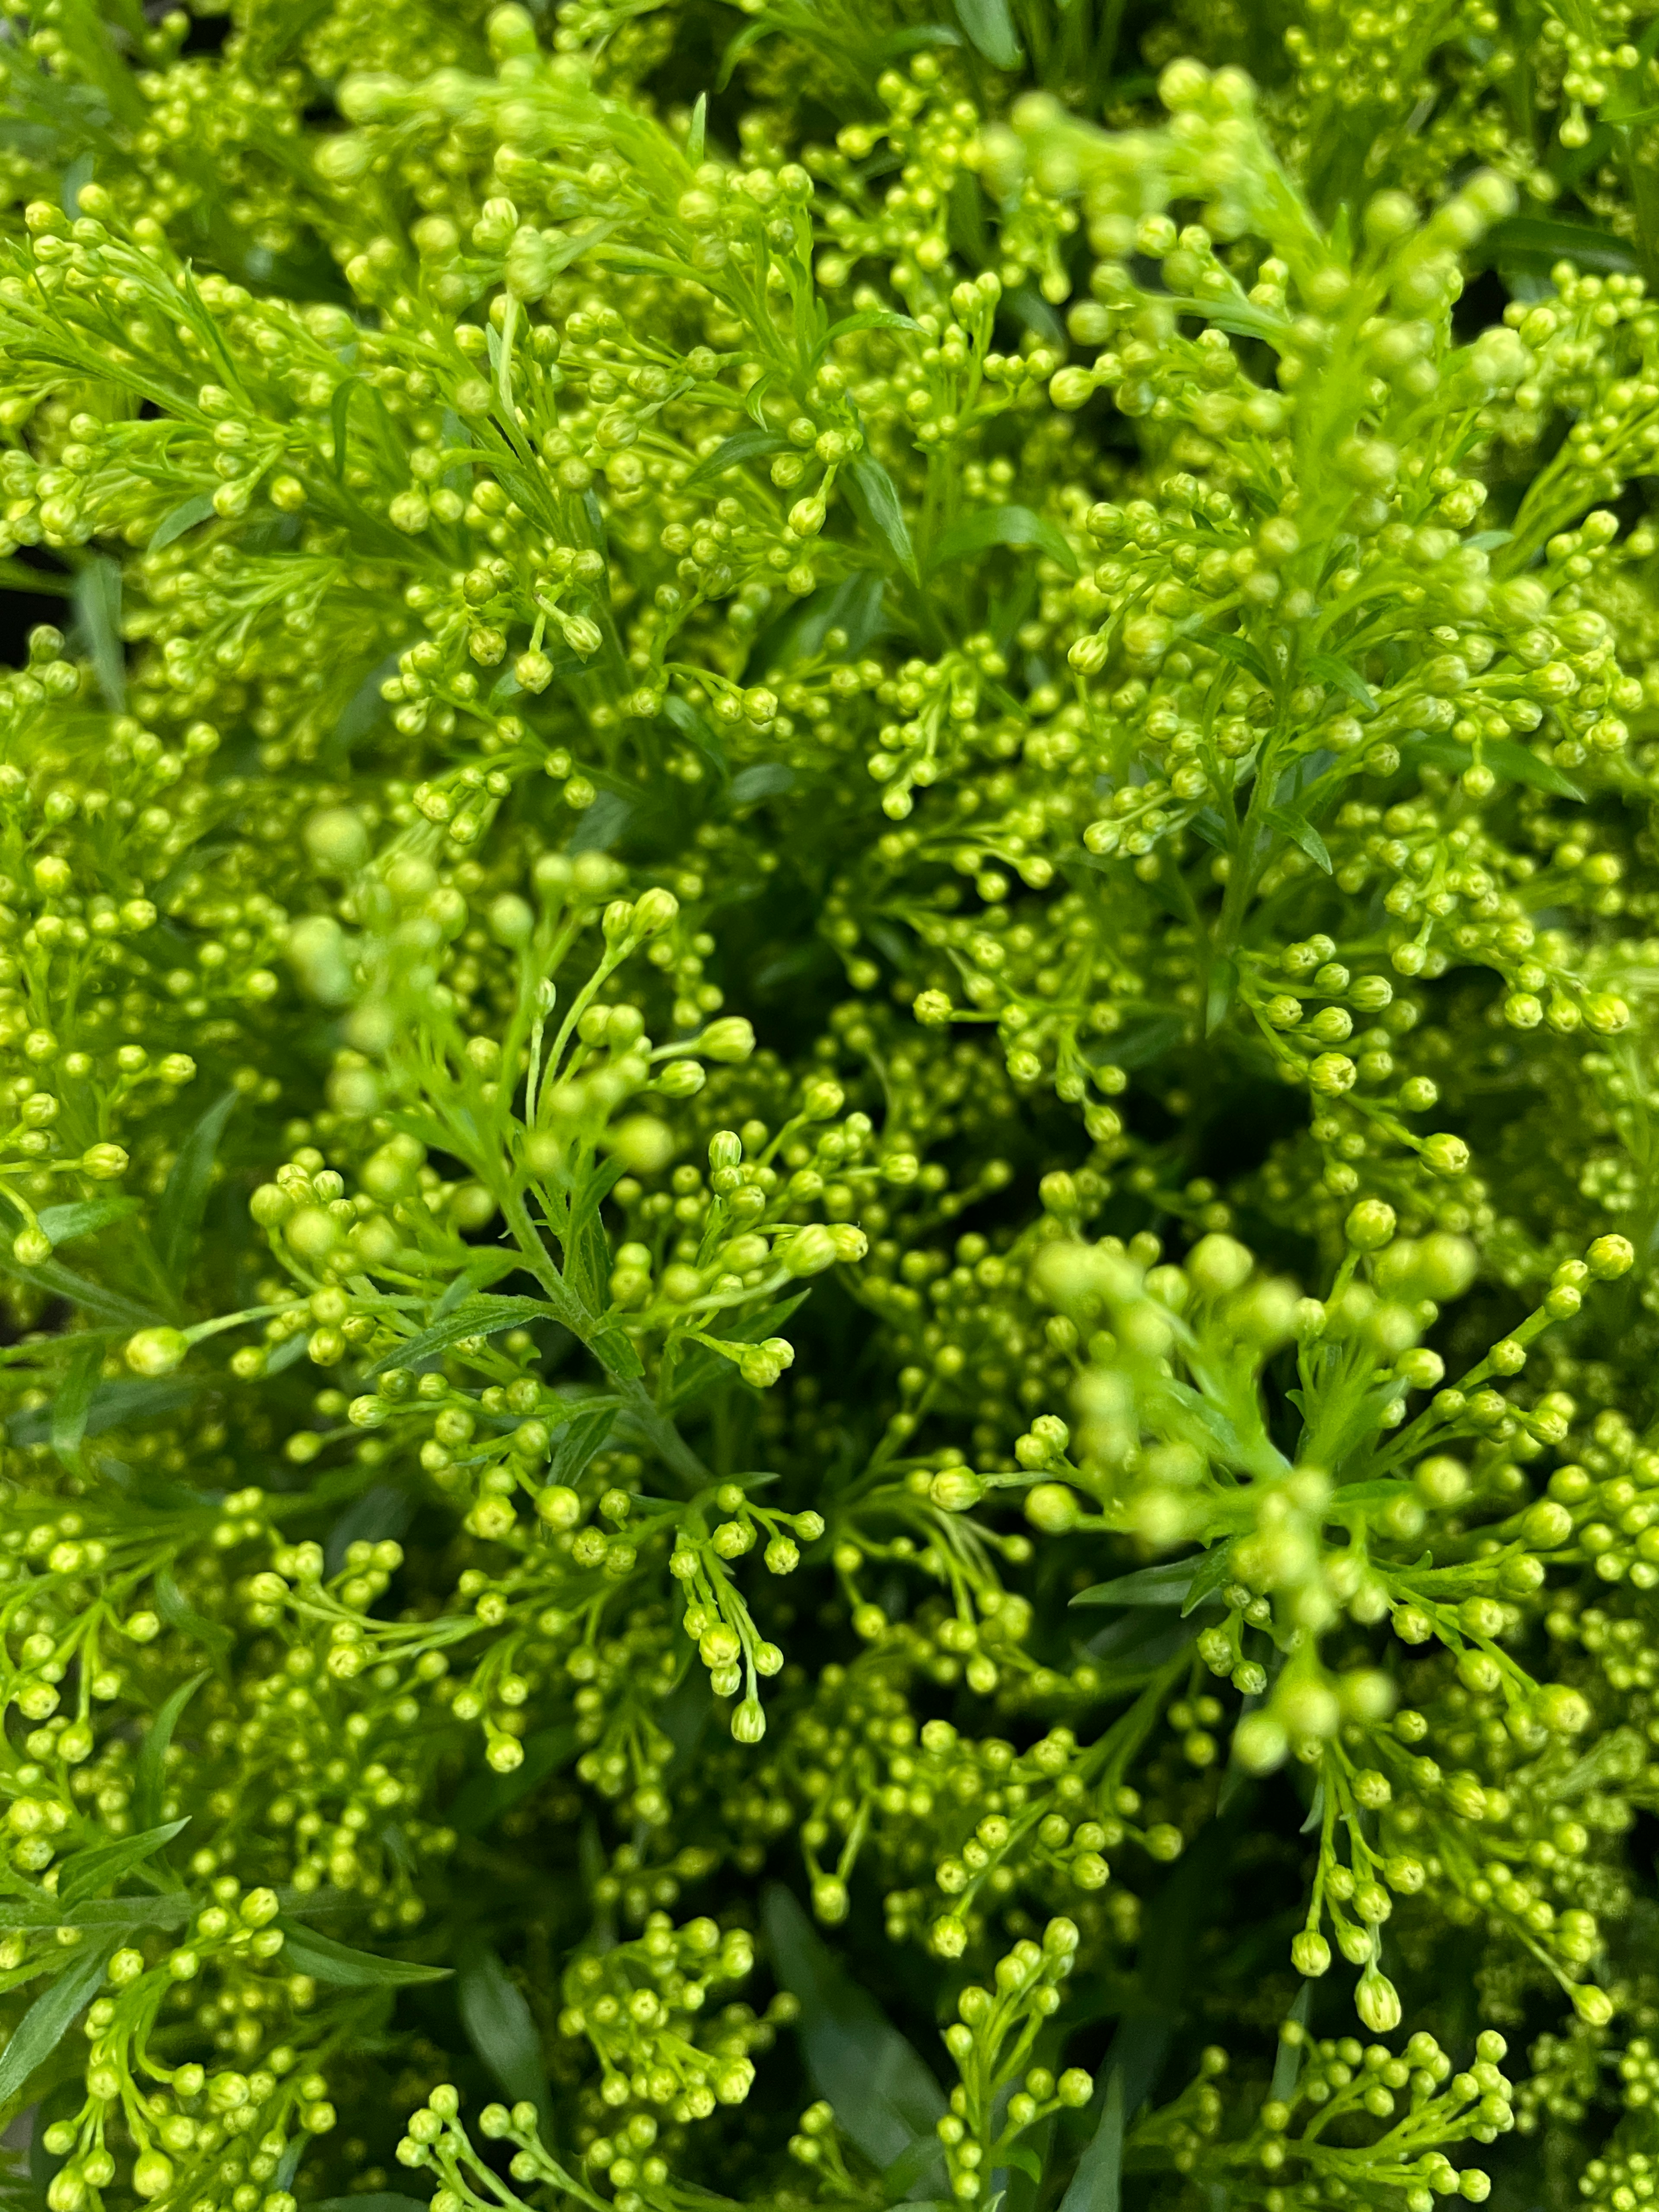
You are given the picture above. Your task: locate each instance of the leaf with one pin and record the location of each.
(1515, 764)
(601, 824)
(213, 1636)
(82, 1217)
(882, 2090)
(339, 409)
(1287, 2065)
(98, 611)
(1167, 1584)
(69, 1408)
(502, 2028)
(1300, 831)
(480, 1802)
(1002, 525)
(1218, 999)
(478, 1316)
(305, 1952)
(742, 446)
(45, 2023)
(1242, 653)
(1213, 1570)
(90, 1298)
(691, 724)
(766, 779)
(1097, 2184)
(83, 1873)
(1540, 241)
(373, 2200)
(990, 26)
(152, 1754)
(875, 501)
(185, 1199)
(177, 519)
(696, 136)
(1330, 668)
(111, 1404)
(575, 1443)
(866, 318)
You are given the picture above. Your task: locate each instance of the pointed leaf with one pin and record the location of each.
(1167, 1584)
(502, 2028)
(84, 1217)
(185, 1199)
(1003, 525)
(991, 28)
(742, 446)
(69, 1408)
(866, 318)
(213, 1636)
(152, 1755)
(479, 1315)
(83, 1873)
(1516, 763)
(696, 136)
(305, 1952)
(47, 2021)
(98, 609)
(1097, 2184)
(483, 1801)
(339, 415)
(184, 517)
(876, 499)
(882, 2090)
(1300, 831)
(1331, 669)
(575, 1443)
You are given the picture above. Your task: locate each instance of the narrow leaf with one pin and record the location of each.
(1330, 668)
(479, 1315)
(502, 2028)
(185, 1199)
(45, 2023)
(184, 517)
(152, 1756)
(84, 1217)
(866, 318)
(305, 1952)
(1097, 2184)
(883, 2093)
(98, 609)
(696, 136)
(1167, 1584)
(1003, 525)
(213, 1636)
(991, 29)
(575, 1443)
(83, 1873)
(1300, 831)
(742, 446)
(876, 499)
(69, 1408)
(338, 414)
(1515, 764)
(481, 1803)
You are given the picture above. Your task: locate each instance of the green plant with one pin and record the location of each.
(827, 1105)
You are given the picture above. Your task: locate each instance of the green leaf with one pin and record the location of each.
(696, 136)
(373, 2200)
(70, 1407)
(1097, 2184)
(152, 1754)
(1300, 831)
(766, 779)
(875, 501)
(1538, 242)
(1330, 668)
(185, 1199)
(213, 1636)
(502, 2028)
(742, 446)
(1514, 763)
(1002, 525)
(885, 2096)
(481, 1801)
(83, 1873)
(339, 411)
(991, 29)
(581, 1436)
(45, 2023)
(1167, 1584)
(184, 517)
(1241, 653)
(111, 1405)
(305, 1952)
(1218, 999)
(98, 611)
(866, 318)
(84, 1217)
(478, 1316)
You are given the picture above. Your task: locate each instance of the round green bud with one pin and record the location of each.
(156, 1351)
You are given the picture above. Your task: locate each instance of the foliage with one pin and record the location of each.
(827, 1124)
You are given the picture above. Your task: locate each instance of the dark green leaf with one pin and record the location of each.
(184, 517)
(1241, 652)
(1167, 1584)
(98, 612)
(1002, 525)
(152, 1755)
(575, 1443)
(1218, 999)
(111, 1404)
(1097, 2184)
(478, 1316)
(691, 724)
(601, 824)
(83, 1873)
(990, 26)
(69, 1408)
(185, 1199)
(742, 446)
(1342, 676)
(1538, 242)
(214, 1636)
(1300, 831)
(481, 1801)
(1515, 764)
(373, 2200)
(502, 2028)
(305, 1952)
(91, 1297)
(84, 1217)
(1213, 1570)
(766, 779)
(875, 501)
(882, 2092)
(47, 2021)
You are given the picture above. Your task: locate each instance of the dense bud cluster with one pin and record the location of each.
(829, 1046)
